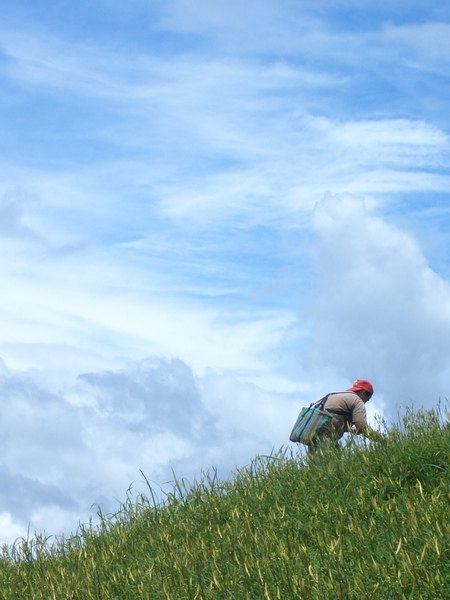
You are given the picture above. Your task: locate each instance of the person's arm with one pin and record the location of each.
(360, 425)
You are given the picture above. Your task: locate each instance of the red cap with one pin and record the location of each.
(361, 384)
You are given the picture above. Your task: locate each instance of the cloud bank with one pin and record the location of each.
(89, 442)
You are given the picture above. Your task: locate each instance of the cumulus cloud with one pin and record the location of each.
(87, 443)
(379, 310)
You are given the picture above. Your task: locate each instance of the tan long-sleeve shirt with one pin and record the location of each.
(347, 409)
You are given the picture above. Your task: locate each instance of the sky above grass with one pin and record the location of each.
(211, 214)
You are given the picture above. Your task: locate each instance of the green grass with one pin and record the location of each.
(369, 522)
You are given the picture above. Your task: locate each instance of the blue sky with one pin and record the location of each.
(211, 214)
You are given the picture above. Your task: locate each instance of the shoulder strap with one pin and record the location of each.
(321, 403)
(334, 411)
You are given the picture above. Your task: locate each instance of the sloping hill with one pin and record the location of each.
(368, 522)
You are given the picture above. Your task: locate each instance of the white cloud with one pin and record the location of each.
(379, 312)
(10, 529)
(88, 443)
(205, 139)
(391, 139)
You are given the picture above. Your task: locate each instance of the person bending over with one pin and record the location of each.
(348, 410)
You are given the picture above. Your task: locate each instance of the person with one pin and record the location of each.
(348, 415)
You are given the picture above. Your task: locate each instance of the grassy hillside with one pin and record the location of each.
(370, 522)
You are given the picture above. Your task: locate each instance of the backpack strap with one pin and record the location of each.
(333, 411)
(321, 403)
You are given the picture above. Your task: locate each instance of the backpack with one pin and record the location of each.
(310, 422)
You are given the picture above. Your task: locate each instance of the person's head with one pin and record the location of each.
(363, 388)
